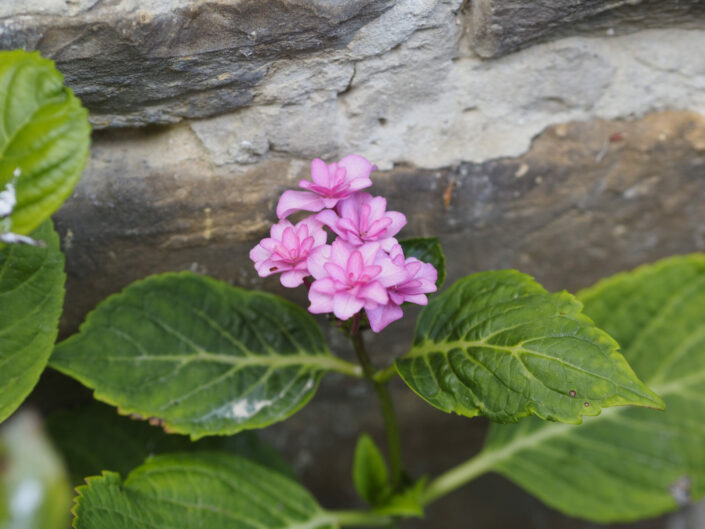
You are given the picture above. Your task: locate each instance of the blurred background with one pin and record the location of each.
(564, 138)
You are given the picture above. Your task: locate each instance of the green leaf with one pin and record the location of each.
(407, 502)
(370, 471)
(629, 463)
(372, 483)
(31, 298)
(34, 490)
(428, 250)
(201, 356)
(497, 343)
(95, 438)
(44, 137)
(214, 491)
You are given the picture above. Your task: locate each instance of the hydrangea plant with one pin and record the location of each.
(573, 384)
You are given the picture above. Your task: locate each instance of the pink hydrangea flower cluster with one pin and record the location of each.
(364, 267)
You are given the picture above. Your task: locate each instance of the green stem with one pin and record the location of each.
(360, 518)
(385, 402)
(460, 475)
(386, 374)
(346, 368)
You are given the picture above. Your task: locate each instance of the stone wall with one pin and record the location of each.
(565, 138)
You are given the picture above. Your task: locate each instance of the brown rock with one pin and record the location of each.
(579, 205)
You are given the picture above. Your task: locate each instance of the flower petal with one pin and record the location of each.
(383, 315)
(293, 201)
(319, 173)
(374, 292)
(277, 230)
(390, 246)
(359, 183)
(259, 254)
(325, 286)
(355, 265)
(340, 253)
(356, 167)
(329, 218)
(348, 209)
(369, 252)
(336, 272)
(321, 303)
(317, 259)
(398, 222)
(269, 267)
(378, 205)
(345, 305)
(289, 239)
(293, 278)
(418, 299)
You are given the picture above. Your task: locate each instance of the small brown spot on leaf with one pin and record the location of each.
(155, 421)
(572, 393)
(587, 404)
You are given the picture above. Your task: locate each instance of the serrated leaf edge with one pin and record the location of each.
(168, 426)
(657, 402)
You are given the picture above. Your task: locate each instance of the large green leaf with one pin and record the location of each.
(44, 137)
(31, 298)
(428, 250)
(497, 343)
(35, 492)
(629, 463)
(199, 355)
(95, 438)
(213, 491)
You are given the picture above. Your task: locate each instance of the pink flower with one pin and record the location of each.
(363, 218)
(420, 280)
(349, 278)
(331, 183)
(288, 249)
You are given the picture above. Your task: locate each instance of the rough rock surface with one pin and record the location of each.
(498, 27)
(587, 200)
(158, 61)
(397, 81)
(395, 112)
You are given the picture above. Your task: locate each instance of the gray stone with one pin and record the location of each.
(395, 81)
(420, 104)
(160, 61)
(498, 27)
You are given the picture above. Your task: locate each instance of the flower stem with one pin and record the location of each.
(385, 402)
(386, 374)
